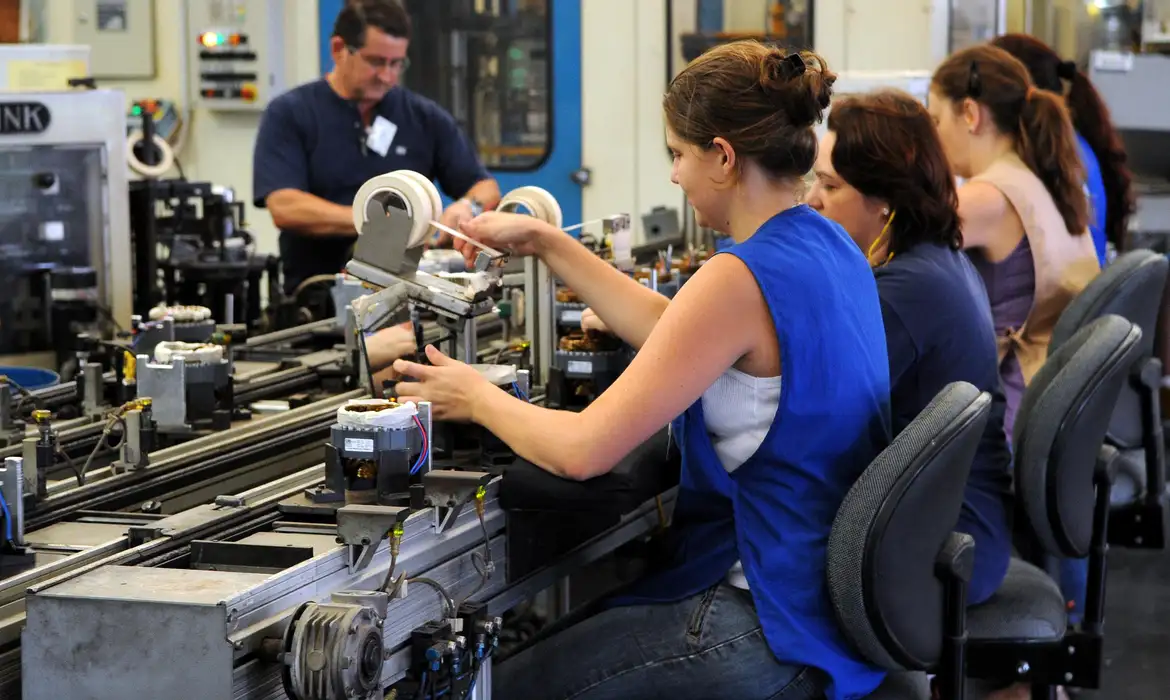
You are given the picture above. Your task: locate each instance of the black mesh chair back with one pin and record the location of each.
(895, 527)
(1060, 427)
(1063, 471)
(1131, 288)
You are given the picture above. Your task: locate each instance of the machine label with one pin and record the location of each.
(580, 367)
(359, 445)
(24, 118)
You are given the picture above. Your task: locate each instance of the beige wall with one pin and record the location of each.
(218, 147)
(622, 134)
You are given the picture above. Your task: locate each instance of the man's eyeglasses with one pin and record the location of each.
(380, 62)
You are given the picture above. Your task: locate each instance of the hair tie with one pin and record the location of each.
(1066, 70)
(793, 66)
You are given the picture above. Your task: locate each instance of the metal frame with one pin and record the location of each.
(89, 118)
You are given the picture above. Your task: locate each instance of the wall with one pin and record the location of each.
(622, 140)
(622, 125)
(218, 147)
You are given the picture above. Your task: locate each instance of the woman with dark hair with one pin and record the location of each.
(1023, 205)
(881, 174)
(743, 609)
(1108, 180)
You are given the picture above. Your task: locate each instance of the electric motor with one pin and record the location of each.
(333, 652)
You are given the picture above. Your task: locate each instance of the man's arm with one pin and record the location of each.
(486, 192)
(280, 177)
(294, 210)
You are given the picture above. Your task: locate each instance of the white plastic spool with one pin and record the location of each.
(166, 159)
(537, 200)
(411, 190)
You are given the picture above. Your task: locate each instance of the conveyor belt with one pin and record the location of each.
(205, 523)
(193, 461)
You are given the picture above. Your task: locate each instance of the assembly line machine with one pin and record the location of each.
(270, 524)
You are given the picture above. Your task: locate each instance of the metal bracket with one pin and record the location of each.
(230, 501)
(448, 490)
(363, 527)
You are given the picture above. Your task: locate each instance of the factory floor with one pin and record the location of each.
(1137, 626)
(1137, 621)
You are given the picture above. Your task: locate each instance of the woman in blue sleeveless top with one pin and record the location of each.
(1108, 182)
(743, 609)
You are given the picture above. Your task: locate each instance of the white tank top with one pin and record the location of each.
(738, 410)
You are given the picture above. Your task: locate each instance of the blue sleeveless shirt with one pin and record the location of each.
(1095, 191)
(775, 511)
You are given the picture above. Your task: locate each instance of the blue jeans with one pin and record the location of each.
(707, 647)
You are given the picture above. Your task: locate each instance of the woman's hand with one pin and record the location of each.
(518, 233)
(592, 322)
(389, 344)
(453, 388)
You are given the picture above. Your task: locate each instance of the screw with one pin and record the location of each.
(1072, 650)
(238, 645)
(1067, 677)
(1023, 668)
(378, 623)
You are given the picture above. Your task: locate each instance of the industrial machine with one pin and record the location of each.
(341, 547)
(64, 250)
(192, 248)
(1129, 85)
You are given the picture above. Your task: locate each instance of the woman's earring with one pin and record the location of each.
(885, 212)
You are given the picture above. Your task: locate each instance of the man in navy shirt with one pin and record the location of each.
(319, 142)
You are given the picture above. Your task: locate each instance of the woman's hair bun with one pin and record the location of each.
(800, 83)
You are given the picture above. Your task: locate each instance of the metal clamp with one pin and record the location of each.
(363, 527)
(448, 490)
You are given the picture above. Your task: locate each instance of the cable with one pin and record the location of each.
(519, 394)
(73, 467)
(448, 602)
(426, 447)
(395, 543)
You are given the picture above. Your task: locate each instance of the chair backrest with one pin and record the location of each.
(1131, 288)
(1060, 427)
(891, 527)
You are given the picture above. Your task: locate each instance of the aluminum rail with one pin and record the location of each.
(191, 460)
(257, 508)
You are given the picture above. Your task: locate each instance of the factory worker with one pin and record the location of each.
(1023, 205)
(881, 173)
(319, 142)
(1108, 182)
(793, 302)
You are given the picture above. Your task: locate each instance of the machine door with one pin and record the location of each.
(510, 73)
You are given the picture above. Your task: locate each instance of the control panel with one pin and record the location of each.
(237, 53)
(164, 112)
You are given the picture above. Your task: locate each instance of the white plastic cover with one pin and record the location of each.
(397, 418)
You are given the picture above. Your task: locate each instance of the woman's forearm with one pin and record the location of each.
(628, 308)
(542, 436)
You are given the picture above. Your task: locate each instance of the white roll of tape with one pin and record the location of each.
(400, 188)
(429, 187)
(166, 159)
(537, 200)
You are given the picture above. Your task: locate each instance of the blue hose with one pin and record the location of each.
(7, 518)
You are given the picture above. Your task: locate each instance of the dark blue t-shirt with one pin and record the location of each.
(938, 331)
(312, 140)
